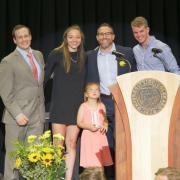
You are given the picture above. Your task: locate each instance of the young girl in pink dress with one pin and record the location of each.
(92, 118)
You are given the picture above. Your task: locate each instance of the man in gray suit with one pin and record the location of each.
(21, 89)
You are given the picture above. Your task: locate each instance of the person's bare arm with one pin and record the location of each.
(104, 127)
(90, 127)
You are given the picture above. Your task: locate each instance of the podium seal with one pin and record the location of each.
(149, 96)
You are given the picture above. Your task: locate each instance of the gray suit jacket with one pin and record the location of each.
(19, 89)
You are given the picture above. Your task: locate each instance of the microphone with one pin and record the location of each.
(156, 50)
(118, 54)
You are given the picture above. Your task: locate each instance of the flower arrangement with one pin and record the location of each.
(40, 161)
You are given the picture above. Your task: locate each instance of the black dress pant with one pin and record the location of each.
(109, 104)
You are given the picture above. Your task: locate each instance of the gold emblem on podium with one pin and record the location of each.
(149, 96)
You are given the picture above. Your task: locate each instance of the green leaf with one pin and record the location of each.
(60, 170)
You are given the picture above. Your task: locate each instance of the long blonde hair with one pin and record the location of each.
(66, 53)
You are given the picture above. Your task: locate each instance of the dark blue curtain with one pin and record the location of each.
(48, 19)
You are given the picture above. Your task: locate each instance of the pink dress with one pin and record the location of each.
(94, 145)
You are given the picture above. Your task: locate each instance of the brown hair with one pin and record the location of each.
(139, 21)
(93, 173)
(105, 25)
(171, 172)
(19, 27)
(66, 53)
(88, 86)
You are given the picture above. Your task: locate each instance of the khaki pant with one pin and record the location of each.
(21, 133)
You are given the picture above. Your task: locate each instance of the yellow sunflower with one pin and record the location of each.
(59, 152)
(30, 141)
(60, 146)
(46, 135)
(34, 157)
(18, 162)
(48, 150)
(59, 136)
(47, 159)
(31, 138)
(47, 132)
(64, 157)
(40, 138)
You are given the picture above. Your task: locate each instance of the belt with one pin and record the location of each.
(107, 96)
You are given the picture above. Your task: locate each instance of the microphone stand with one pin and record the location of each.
(118, 59)
(155, 55)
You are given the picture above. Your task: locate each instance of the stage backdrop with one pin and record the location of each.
(48, 19)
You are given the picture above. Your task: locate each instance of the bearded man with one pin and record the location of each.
(102, 67)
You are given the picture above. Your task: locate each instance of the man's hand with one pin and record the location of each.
(104, 129)
(22, 120)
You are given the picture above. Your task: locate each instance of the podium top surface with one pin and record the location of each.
(149, 73)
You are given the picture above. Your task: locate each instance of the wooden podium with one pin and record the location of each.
(147, 123)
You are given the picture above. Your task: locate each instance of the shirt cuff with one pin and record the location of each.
(18, 115)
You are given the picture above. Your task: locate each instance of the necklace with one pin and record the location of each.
(74, 60)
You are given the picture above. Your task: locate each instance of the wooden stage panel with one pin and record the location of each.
(123, 149)
(174, 134)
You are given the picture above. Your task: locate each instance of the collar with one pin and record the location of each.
(23, 53)
(102, 54)
(151, 41)
(148, 43)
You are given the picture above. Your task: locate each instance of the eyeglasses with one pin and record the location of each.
(107, 34)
